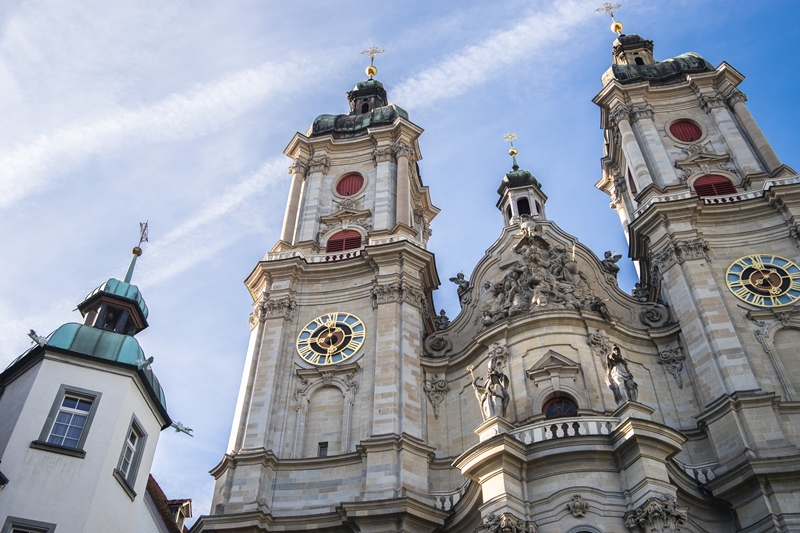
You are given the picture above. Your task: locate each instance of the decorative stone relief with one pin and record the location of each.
(620, 113)
(319, 163)
(765, 335)
(436, 389)
(441, 321)
(733, 96)
(657, 515)
(327, 376)
(654, 315)
(436, 346)
(794, 234)
(265, 308)
(364, 223)
(640, 291)
(400, 293)
(404, 150)
(679, 252)
(383, 154)
(422, 222)
(351, 202)
(463, 288)
(505, 523)
(298, 166)
(712, 101)
(638, 113)
(672, 359)
(545, 276)
(493, 396)
(577, 506)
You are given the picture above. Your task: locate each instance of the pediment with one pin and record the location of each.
(551, 359)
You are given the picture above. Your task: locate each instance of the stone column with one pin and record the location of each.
(740, 151)
(404, 154)
(651, 140)
(308, 220)
(630, 147)
(298, 171)
(736, 99)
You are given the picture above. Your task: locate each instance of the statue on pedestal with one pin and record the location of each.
(493, 395)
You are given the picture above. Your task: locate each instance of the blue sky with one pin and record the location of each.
(178, 113)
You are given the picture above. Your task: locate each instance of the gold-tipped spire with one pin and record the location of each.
(608, 8)
(512, 151)
(372, 51)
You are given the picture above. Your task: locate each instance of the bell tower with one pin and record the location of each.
(330, 402)
(711, 216)
(520, 192)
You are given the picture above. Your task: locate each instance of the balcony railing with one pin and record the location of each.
(447, 500)
(561, 428)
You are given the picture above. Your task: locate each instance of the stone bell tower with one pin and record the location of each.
(711, 216)
(329, 425)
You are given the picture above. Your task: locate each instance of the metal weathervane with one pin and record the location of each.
(142, 233)
(609, 9)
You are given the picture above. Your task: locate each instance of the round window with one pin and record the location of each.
(685, 130)
(350, 184)
(559, 408)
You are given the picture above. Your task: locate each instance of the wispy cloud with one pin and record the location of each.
(31, 167)
(242, 209)
(475, 65)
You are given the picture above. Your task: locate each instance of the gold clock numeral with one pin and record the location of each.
(304, 350)
(757, 300)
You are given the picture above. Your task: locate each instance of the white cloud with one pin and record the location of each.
(220, 223)
(495, 57)
(31, 167)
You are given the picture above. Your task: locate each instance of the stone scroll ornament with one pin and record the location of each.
(436, 389)
(505, 523)
(493, 395)
(544, 276)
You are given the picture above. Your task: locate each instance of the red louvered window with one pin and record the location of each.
(350, 184)
(344, 240)
(713, 185)
(685, 131)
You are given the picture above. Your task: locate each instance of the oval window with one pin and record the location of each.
(686, 131)
(350, 184)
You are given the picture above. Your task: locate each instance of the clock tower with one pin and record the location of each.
(711, 215)
(330, 417)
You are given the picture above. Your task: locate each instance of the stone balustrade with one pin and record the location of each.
(315, 258)
(702, 473)
(560, 428)
(446, 501)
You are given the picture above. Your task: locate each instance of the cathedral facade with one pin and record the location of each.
(554, 401)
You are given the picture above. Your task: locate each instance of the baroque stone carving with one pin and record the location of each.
(441, 321)
(638, 113)
(619, 378)
(659, 514)
(609, 263)
(712, 101)
(733, 96)
(463, 288)
(319, 163)
(383, 154)
(622, 112)
(577, 506)
(545, 276)
(404, 150)
(493, 395)
(672, 359)
(400, 293)
(436, 346)
(364, 223)
(298, 166)
(654, 315)
(436, 389)
(640, 291)
(505, 523)
(679, 252)
(265, 308)
(422, 222)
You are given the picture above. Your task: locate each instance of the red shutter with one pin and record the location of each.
(344, 240)
(685, 131)
(350, 184)
(713, 185)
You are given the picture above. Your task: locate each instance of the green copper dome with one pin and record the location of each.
(120, 289)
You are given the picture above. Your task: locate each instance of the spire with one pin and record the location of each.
(137, 251)
(608, 8)
(520, 192)
(512, 151)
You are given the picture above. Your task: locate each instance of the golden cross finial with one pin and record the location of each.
(372, 51)
(608, 8)
(510, 137)
(512, 151)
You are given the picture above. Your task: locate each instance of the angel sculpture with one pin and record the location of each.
(609, 264)
(463, 287)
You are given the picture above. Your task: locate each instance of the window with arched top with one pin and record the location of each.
(560, 407)
(523, 206)
(685, 130)
(344, 240)
(350, 184)
(713, 185)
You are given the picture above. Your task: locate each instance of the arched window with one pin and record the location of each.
(523, 206)
(538, 207)
(639, 61)
(350, 184)
(713, 185)
(559, 408)
(344, 240)
(365, 108)
(508, 213)
(686, 131)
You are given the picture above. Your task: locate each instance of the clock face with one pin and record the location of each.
(764, 280)
(331, 338)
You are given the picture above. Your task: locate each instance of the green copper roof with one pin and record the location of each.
(516, 179)
(354, 125)
(106, 345)
(121, 289)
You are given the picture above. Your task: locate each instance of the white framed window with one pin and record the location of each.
(130, 457)
(67, 425)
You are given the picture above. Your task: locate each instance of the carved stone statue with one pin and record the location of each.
(463, 287)
(441, 321)
(640, 292)
(601, 307)
(609, 264)
(493, 395)
(619, 377)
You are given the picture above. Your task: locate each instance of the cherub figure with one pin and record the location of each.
(609, 264)
(463, 287)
